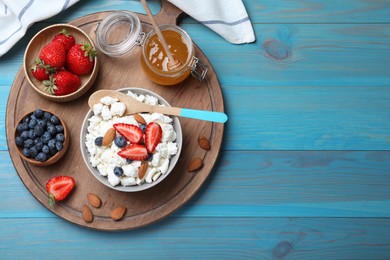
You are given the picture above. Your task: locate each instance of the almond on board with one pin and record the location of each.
(204, 142)
(94, 200)
(118, 213)
(195, 164)
(87, 214)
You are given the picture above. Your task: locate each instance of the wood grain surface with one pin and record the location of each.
(304, 168)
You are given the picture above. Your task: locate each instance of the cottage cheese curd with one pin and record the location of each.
(105, 158)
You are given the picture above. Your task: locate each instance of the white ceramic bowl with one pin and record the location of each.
(173, 160)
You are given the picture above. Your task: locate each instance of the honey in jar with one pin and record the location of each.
(154, 59)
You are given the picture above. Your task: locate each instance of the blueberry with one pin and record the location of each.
(31, 134)
(19, 128)
(33, 151)
(99, 141)
(54, 119)
(45, 149)
(42, 123)
(39, 130)
(52, 144)
(60, 137)
(26, 152)
(38, 144)
(118, 171)
(19, 141)
(142, 127)
(59, 128)
(41, 157)
(28, 143)
(24, 135)
(120, 141)
(38, 113)
(51, 129)
(26, 120)
(53, 152)
(59, 146)
(46, 116)
(129, 160)
(150, 156)
(45, 138)
(32, 123)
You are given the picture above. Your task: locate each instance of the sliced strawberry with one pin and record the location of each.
(131, 133)
(153, 136)
(135, 152)
(59, 187)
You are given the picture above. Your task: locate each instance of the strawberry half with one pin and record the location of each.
(131, 133)
(153, 135)
(135, 152)
(58, 188)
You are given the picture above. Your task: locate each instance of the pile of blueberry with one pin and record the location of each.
(40, 135)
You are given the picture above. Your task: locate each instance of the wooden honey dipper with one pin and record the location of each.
(172, 63)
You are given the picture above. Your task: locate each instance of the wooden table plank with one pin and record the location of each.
(178, 238)
(297, 118)
(262, 184)
(283, 55)
(265, 11)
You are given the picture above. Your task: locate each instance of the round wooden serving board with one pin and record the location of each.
(143, 207)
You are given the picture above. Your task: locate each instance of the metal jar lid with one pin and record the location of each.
(118, 33)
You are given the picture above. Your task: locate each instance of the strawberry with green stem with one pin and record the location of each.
(62, 83)
(65, 38)
(54, 55)
(41, 71)
(80, 59)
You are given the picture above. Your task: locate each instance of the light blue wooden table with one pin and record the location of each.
(304, 171)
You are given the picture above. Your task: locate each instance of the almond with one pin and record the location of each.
(109, 137)
(94, 200)
(87, 214)
(204, 142)
(195, 164)
(139, 119)
(142, 169)
(118, 213)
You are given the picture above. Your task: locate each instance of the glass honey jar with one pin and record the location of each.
(120, 32)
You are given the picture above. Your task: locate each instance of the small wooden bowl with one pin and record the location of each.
(55, 157)
(42, 38)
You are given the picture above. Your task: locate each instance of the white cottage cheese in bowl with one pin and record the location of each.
(111, 168)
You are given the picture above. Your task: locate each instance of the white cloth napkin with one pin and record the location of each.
(226, 17)
(16, 16)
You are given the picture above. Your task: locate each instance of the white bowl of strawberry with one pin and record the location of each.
(130, 152)
(60, 63)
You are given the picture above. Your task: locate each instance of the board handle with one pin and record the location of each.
(169, 13)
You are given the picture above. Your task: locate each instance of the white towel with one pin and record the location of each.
(17, 16)
(226, 17)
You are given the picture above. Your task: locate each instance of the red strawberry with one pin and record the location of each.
(58, 188)
(136, 152)
(153, 135)
(65, 38)
(62, 83)
(40, 71)
(80, 59)
(53, 54)
(131, 133)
